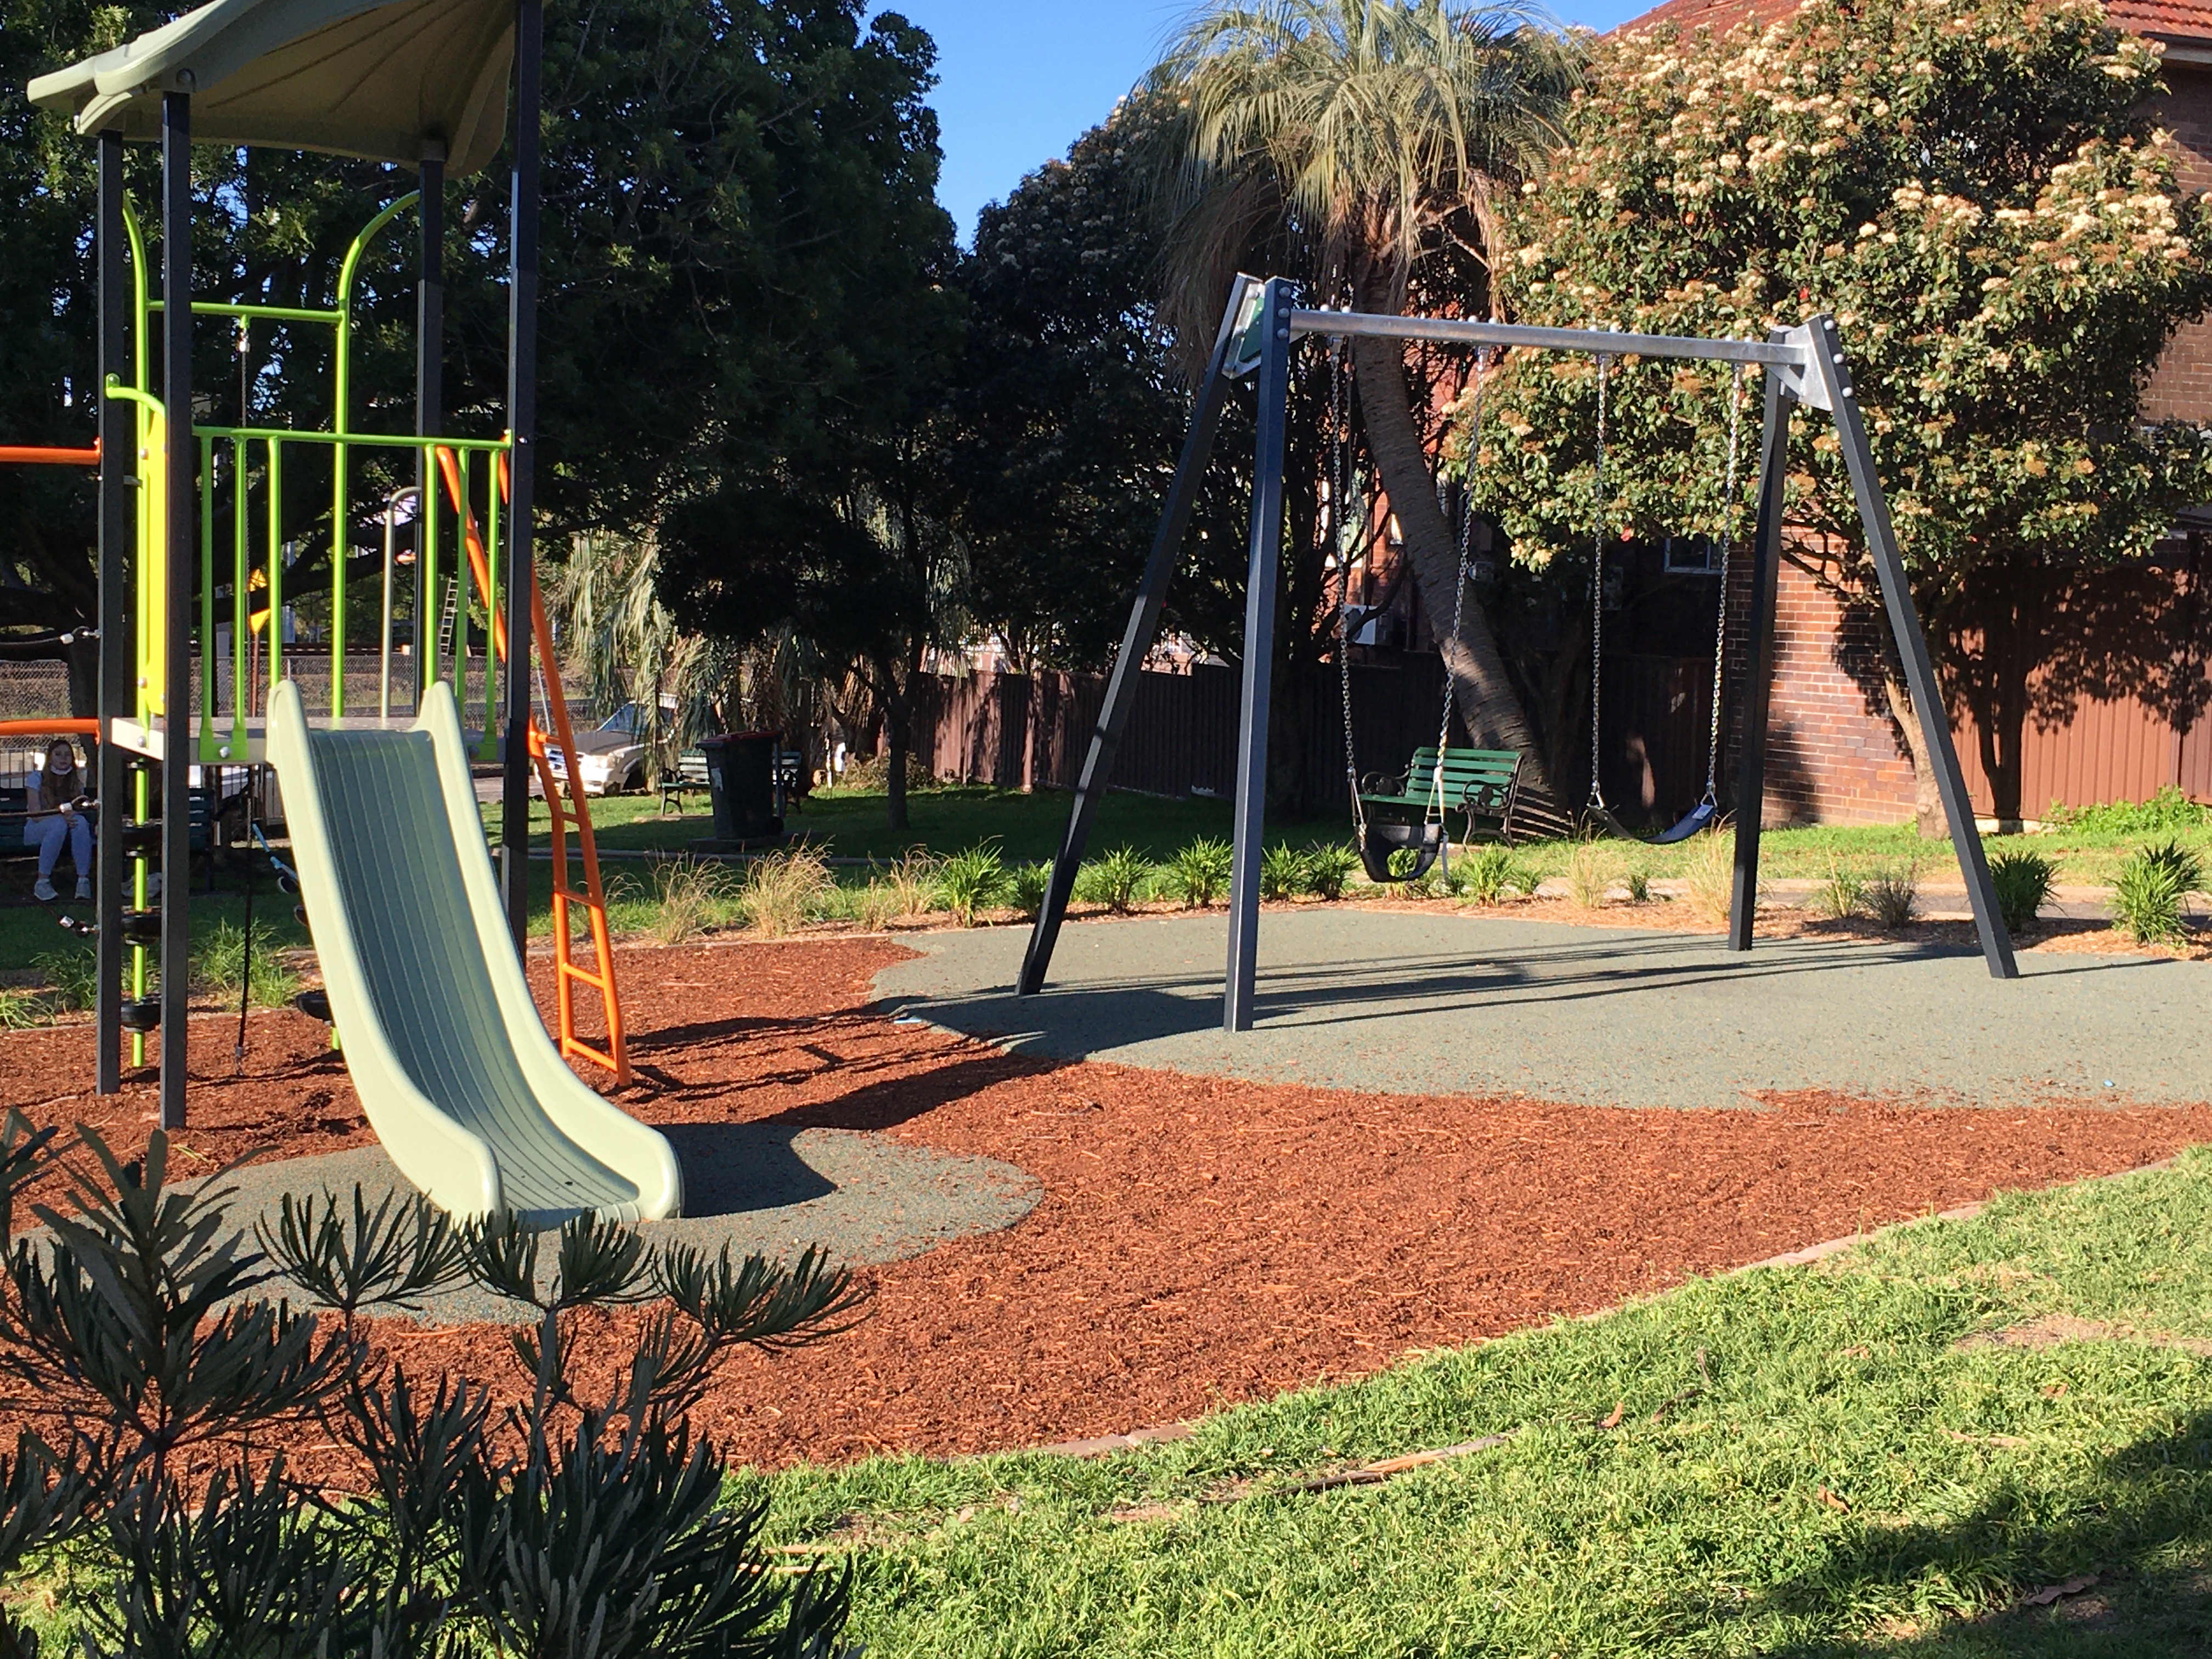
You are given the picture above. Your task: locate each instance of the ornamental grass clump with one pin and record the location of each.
(2022, 880)
(156, 1380)
(1709, 875)
(224, 964)
(783, 890)
(1592, 869)
(1198, 875)
(1892, 895)
(971, 881)
(1841, 895)
(1115, 880)
(1282, 873)
(1329, 865)
(1026, 886)
(1486, 874)
(913, 882)
(690, 898)
(2148, 893)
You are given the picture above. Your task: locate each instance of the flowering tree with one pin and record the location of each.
(1970, 186)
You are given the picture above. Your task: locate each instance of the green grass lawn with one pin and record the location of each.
(1806, 1461)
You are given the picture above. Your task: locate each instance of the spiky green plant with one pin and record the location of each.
(1282, 872)
(1116, 879)
(971, 880)
(1198, 874)
(2022, 880)
(1329, 865)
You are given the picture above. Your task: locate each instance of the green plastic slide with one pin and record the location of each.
(451, 1063)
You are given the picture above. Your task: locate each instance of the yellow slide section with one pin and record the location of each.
(439, 1032)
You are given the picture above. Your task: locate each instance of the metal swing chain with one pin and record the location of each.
(1597, 593)
(1720, 625)
(1436, 809)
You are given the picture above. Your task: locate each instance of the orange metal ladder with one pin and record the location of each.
(567, 973)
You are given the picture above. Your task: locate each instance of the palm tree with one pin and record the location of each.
(1371, 135)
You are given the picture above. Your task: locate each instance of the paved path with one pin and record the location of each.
(1418, 1003)
(756, 1188)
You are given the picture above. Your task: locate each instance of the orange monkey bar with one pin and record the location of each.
(55, 728)
(44, 455)
(566, 973)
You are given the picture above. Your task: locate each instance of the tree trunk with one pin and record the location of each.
(894, 705)
(1480, 687)
(1927, 799)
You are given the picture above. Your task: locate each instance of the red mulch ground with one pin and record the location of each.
(1201, 1241)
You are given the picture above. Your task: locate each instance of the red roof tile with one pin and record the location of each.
(2169, 20)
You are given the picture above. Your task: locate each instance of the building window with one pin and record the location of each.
(1692, 555)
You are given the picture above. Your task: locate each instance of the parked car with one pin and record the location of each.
(610, 758)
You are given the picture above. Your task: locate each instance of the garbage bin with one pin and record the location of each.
(741, 779)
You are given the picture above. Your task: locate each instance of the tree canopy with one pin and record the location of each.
(1970, 186)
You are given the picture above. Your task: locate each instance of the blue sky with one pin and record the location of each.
(1020, 79)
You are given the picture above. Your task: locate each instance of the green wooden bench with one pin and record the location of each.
(691, 773)
(1481, 785)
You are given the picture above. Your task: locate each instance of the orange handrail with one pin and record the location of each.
(616, 1056)
(47, 455)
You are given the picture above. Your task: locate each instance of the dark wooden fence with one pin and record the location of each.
(1022, 732)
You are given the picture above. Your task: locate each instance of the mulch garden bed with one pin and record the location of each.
(1201, 1241)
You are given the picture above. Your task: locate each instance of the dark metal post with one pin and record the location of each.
(522, 420)
(430, 376)
(1936, 749)
(1136, 645)
(1758, 673)
(1260, 583)
(177, 612)
(119, 451)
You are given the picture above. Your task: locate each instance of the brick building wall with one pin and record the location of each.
(2180, 388)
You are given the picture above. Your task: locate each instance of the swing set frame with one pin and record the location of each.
(1260, 331)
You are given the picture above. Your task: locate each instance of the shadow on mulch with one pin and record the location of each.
(1201, 1241)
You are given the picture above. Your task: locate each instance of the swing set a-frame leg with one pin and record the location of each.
(1137, 641)
(1825, 383)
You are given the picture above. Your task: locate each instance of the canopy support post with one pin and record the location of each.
(119, 451)
(522, 421)
(429, 381)
(176, 611)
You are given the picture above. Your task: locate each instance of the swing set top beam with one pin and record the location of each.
(1599, 342)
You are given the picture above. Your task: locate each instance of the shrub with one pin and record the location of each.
(1329, 865)
(220, 965)
(913, 882)
(1893, 895)
(1199, 875)
(1485, 875)
(2022, 880)
(782, 891)
(872, 776)
(1026, 885)
(1282, 873)
(1591, 868)
(2168, 810)
(1841, 895)
(1638, 882)
(2147, 893)
(1115, 880)
(463, 1540)
(690, 898)
(971, 881)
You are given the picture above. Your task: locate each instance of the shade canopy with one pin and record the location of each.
(371, 78)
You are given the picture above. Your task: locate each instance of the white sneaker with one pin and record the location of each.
(84, 887)
(44, 892)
